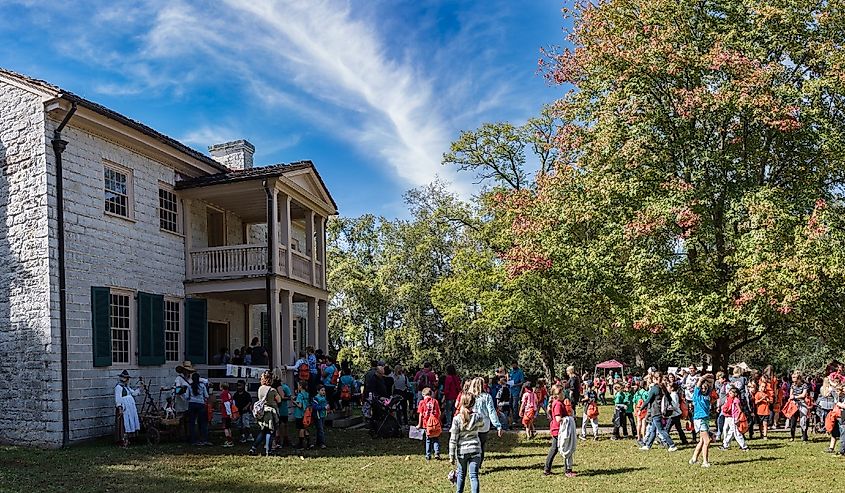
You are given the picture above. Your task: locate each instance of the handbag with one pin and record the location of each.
(789, 409)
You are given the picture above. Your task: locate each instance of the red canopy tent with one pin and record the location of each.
(611, 364)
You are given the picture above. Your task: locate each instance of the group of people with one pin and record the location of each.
(721, 407)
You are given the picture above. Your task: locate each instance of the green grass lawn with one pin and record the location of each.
(356, 463)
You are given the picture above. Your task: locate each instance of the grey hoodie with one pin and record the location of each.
(465, 441)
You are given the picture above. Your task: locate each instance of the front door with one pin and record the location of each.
(218, 338)
(216, 227)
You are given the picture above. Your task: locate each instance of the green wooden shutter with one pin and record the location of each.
(266, 339)
(150, 329)
(196, 330)
(101, 326)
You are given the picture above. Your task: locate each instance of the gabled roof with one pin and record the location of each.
(58, 92)
(257, 173)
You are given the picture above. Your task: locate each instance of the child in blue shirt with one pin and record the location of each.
(300, 404)
(321, 406)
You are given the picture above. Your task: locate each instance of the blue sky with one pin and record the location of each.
(372, 91)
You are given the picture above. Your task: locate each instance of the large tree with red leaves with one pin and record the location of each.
(697, 189)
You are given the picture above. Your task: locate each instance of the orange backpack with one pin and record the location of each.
(304, 371)
(742, 423)
(684, 409)
(345, 393)
(308, 417)
(831, 419)
(431, 423)
(592, 410)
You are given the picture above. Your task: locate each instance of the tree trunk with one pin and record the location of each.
(547, 359)
(720, 354)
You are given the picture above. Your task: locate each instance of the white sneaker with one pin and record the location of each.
(692, 462)
(673, 448)
(645, 447)
(705, 464)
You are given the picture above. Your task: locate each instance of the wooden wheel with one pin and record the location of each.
(153, 435)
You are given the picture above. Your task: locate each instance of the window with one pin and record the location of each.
(168, 210)
(172, 330)
(118, 187)
(120, 330)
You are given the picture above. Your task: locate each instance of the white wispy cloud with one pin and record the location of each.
(329, 63)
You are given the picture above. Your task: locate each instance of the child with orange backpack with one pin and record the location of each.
(591, 412)
(429, 420)
(228, 411)
(528, 409)
(303, 414)
(762, 407)
(734, 419)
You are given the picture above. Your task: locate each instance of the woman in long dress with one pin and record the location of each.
(125, 408)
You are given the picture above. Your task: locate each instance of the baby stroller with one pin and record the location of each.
(384, 422)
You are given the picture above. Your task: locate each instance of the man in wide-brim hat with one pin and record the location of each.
(126, 412)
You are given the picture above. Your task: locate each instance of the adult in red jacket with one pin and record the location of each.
(451, 389)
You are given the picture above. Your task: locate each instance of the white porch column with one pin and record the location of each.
(186, 229)
(313, 333)
(323, 325)
(273, 239)
(288, 353)
(284, 231)
(320, 250)
(273, 319)
(309, 240)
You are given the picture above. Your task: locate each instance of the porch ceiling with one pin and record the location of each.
(247, 297)
(247, 199)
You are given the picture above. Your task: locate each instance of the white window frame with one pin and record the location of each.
(181, 337)
(130, 190)
(178, 213)
(132, 325)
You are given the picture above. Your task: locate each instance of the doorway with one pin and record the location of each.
(218, 337)
(216, 227)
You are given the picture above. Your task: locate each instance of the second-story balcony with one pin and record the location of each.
(228, 235)
(232, 261)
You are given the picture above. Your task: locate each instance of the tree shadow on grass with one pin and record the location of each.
(746, 461)
(765, 446)
(609, 472)
(527, 467)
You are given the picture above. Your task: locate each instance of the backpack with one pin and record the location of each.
(307, 417)
(258, 408)
(335, 377)
(832, 418)
(742, 423)
(345, 393)
(567, 406)
(431, 423)
(504, 396)
(304, 371)
(684, 409)
(666, 408)
(592, 410)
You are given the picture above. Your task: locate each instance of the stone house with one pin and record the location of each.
(121, 248)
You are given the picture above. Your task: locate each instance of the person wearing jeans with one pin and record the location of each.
(655, 405)
(465, 445)
(197, 395)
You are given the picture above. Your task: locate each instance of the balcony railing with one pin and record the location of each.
(233, 261)
(228, 261)
(301, 267)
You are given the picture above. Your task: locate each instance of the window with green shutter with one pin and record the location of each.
(196, 330)
(150, 329)
(101, 326)
(266, 339)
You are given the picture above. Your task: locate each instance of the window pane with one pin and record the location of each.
(116, 195)
(120, 333)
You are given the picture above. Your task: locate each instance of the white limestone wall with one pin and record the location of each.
(103, 250)
(30, 381)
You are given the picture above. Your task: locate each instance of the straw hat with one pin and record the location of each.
(186, 366)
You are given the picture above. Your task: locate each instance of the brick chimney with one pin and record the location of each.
(235, 155)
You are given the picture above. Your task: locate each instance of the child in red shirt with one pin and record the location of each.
(228, 411)
(429, 420)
